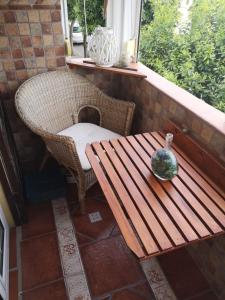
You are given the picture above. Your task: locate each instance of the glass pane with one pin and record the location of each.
(76, 29)
(1, 247)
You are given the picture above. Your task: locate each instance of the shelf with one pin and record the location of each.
(88, 64)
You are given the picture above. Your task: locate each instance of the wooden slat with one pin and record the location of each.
(191, 173)
(197, 169)
(188, 194)
(163, 215)
(164, 198)
(178, 199)
(118, 213)
(138, 198)
(207, 162)
(166, 221)
(136, 219)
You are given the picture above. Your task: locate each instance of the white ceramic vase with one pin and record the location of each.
(103, 47)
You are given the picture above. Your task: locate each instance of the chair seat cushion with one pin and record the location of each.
(87, 133)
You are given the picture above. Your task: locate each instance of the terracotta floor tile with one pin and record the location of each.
(95, 191)
(109, 265)
(40, 220)
(40, 260)
(13, 285)
(208, 296)
(182, 273)
(139, 292)
(82, 239)
(127, 294)
(144, 290)
(12, 249)
(54, 291)
(98, 230)
(71, 193)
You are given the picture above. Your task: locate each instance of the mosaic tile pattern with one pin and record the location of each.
(31, 41)
(157, 280)
(72, 266)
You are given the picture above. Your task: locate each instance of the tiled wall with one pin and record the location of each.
(153, 109)
(31, 42)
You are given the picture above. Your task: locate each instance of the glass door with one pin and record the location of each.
(4, 257)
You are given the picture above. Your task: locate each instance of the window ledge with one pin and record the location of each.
(79, 62)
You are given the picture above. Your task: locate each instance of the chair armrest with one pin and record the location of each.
(117, 115)
(63, 149)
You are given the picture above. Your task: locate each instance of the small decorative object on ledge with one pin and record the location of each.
(163, 161)
(102, 47)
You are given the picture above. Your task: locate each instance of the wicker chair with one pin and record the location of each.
(51, 102)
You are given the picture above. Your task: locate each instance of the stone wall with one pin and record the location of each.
(153, 109)
(31, 42)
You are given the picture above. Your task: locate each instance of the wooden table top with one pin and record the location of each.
(154, 216)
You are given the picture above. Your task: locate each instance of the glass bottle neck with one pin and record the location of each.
(169, 140)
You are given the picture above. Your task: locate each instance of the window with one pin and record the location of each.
(184, 42)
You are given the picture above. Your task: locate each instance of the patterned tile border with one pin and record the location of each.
(73, 271)
(157, 280)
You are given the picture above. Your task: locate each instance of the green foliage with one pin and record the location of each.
(194, 57)
(94, 12)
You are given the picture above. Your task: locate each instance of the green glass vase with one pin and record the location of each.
(164, 163)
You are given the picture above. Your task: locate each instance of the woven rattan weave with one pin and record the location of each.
(51, 102)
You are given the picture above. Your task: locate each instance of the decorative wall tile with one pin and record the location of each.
(22, 75)
(30, 63)
(14, 42)
(9, 16)
(37, 41)
(5, 53)
(50, 52)
(56, 15)
(40, 61)
(26, 41)
(28, 52)
(60, 61)
(59, 41)
(33, 15)
(35, 29)
(24, 28)
(46, 28)
(4, 41)
(17, 53)
(11, 29)
(51, 63)
(21, 16)
(11, 75)
(19, 64)
(3, 76)
(206, 133)
(2, 19)
(8, 65)
(48, 40)
(57, 28)
(196, 125)
(45, 16)
(39, 52)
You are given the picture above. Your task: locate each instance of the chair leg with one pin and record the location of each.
(81, 197)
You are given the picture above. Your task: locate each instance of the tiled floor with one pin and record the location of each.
(113, 272)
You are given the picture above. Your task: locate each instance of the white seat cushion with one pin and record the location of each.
(87, 133)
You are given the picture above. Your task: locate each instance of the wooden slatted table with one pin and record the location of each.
(154, 216)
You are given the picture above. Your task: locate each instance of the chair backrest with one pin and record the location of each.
(49, 101)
